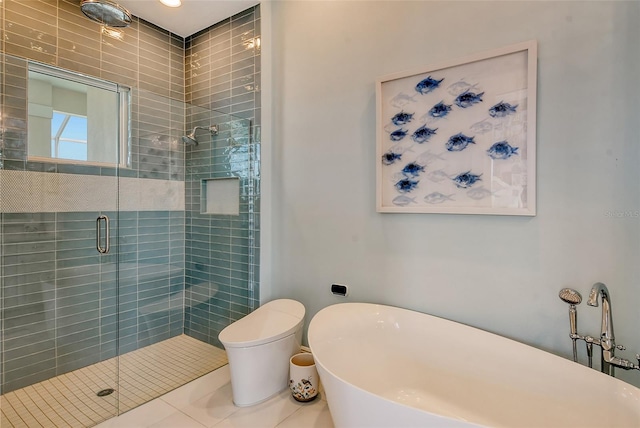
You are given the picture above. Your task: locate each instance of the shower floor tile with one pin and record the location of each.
(70, 400)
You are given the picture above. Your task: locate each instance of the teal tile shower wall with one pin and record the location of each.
(222, 252)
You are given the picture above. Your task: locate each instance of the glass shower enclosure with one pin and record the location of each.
(119, 263)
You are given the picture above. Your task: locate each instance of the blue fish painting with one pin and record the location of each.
(466, 180)
(440, 110)
(459, 142)
(467, 99)
(412, 169)
(437, 198)
(403, 201)
(502, 109)
(423, 134)
(402, 118)
(406, 185)
(428, 85)
(502, 150)
(398, 134)
(390, 157)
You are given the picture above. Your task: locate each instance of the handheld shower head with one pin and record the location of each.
(573, 298)
(570, 296)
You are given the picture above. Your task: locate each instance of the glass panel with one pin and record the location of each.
(173, 277)
(217, 246)
(57, 292)
(175, 263)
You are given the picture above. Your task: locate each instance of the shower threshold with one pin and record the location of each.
(71, 399)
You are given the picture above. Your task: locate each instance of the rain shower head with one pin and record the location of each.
(106, 13)
(190, 139)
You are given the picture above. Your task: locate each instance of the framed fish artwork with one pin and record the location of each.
(460, 137)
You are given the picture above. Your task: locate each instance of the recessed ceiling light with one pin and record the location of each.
(171, 3)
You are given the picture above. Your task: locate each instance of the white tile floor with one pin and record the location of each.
(70, 400)
(207, 402)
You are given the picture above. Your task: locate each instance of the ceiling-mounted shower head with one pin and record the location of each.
(106, 13)
(190, 139)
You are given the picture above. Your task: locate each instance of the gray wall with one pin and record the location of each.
(498, 273)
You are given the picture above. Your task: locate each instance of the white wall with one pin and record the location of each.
(501, 274)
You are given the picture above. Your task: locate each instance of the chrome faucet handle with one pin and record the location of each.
(624, 364)
(621, 347)
(590, 341)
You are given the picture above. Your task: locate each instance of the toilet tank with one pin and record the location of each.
(270, 322)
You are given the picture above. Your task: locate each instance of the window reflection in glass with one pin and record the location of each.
(76, 118)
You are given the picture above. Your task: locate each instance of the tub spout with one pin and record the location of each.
(607, 338)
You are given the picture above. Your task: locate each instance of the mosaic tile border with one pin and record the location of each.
(34, 192)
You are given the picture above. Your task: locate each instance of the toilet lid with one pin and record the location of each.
(268, 323)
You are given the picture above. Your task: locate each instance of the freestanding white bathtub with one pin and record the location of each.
(383, 366)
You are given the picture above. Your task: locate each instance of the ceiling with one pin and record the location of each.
(191, 17)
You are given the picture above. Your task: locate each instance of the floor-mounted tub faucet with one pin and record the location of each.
(607, 337)
(606, 341)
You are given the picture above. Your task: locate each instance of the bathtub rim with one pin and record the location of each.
(619, 384)
(362, 390)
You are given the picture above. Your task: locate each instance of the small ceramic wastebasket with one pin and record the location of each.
(303, 377)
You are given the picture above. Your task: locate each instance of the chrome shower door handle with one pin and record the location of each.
(102, 219)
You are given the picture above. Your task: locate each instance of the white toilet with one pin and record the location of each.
(259, 347)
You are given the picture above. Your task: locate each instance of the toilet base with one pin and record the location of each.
(258, 402)
(260, 372)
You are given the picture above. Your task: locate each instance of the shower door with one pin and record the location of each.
(59, 170)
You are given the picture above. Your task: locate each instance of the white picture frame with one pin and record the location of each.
(460, 137)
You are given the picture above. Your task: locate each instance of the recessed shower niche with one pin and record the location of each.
(221, 196)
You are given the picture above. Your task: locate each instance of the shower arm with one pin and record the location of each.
(213, 129)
